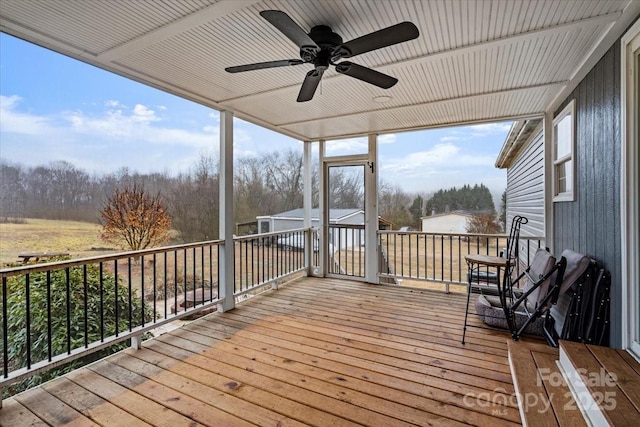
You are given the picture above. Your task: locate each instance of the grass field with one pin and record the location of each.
(43, 235)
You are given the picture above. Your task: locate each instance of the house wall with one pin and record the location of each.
(445, 224)
(591, 223)
(525, 193)
(280, 224)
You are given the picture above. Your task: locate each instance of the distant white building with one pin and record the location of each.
(339, 237)
(451, 222)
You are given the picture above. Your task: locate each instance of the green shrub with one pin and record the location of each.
(99, 299)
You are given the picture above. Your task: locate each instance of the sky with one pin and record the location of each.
(56, 108)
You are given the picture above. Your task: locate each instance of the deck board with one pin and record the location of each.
(314, 352)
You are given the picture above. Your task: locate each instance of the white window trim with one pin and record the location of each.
(629, 196)
(567, 196)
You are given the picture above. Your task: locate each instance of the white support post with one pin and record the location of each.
(136, 342)
(307, 205)
(227, 250)
(548, 179)
(371, 212)
(323, 217)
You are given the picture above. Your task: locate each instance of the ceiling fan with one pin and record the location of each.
(322, 47)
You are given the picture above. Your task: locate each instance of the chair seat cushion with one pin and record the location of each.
(490, 310)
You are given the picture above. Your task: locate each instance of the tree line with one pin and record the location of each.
(467, 198)
(264, 185)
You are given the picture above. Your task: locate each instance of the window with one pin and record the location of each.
(563, 148)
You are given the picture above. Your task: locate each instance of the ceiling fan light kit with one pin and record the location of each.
(322, 47)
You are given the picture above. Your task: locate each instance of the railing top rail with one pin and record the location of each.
(273, 233)
(429, 233)
(356, 226)
(55, 265)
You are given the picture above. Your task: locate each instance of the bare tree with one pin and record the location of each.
(11, 191)
(133, 218)
(483, 223)
(194, 201)
(393, 205)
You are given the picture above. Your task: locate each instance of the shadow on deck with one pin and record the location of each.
(315, 352)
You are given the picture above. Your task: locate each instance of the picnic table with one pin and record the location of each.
(40, 255)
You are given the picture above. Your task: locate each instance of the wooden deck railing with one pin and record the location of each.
(439, 257)
(57, 312)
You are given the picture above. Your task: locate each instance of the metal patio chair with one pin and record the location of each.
(482, 266)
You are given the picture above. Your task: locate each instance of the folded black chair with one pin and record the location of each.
(525, 302)
(582, 311)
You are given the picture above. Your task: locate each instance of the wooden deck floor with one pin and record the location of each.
(315, 352)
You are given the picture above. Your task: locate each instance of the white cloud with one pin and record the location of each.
(486, 129)
(449, 138)
(117, 122)
(387, 138)
(347, 146)
(441, 156)
(144, 114)
(14, 121)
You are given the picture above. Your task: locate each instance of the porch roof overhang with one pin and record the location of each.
(475, 61)
(520, 133)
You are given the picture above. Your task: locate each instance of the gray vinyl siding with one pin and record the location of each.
(591, 224)
(280, 224)
(525, 194)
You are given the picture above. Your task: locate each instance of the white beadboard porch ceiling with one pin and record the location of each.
(475, 61)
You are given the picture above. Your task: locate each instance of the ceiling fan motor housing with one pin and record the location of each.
(327, 40)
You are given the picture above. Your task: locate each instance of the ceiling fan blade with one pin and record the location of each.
(389, 36)
(289, 28)
(262, 65)
(366, 74)
(310, 85)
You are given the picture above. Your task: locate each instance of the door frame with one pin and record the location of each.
(370, 161)
(331, 162)
(630, 188)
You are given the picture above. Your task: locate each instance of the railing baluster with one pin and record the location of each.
(155, 289)
(441, 257)
(253, 265)
(175, 282)
(417, 255)
(202, 280)
(246, 263)
(5, 331)
(459, 259)
(426, 253)
(49, 350)
(184, 279)
(27, 301)
(101, 284)
(117, 300)
(68, 292)
(85, 300)
(194, 274)
(130, 296)
(353, 252)
(211, 273)
(142, 288)
(410, 256)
